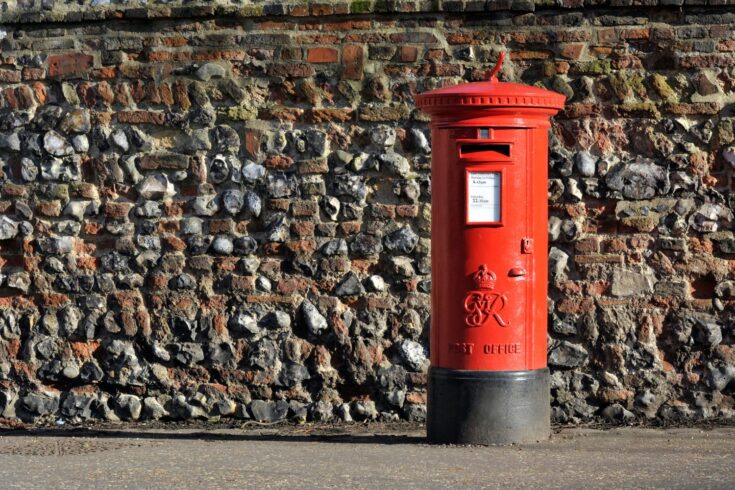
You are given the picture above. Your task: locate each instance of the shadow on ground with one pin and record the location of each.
(250, 434)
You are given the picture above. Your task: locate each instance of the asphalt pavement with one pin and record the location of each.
(361, 457)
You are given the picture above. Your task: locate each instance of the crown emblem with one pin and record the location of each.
(484, 278)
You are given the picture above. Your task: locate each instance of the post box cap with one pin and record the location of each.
(490, 93)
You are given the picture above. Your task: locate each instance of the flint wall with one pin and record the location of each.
(223, 209)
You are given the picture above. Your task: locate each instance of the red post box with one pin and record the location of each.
(488, 381)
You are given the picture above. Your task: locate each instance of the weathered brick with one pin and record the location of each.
(70, 65)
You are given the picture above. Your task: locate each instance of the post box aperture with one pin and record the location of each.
(488, 381)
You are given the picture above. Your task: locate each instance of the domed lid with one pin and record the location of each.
(491, 93)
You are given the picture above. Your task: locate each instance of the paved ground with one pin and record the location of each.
(360, 457)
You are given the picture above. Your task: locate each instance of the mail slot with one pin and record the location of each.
(488, 381)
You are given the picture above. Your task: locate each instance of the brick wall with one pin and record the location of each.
(223, 209)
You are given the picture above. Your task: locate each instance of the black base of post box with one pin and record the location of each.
(488, 407)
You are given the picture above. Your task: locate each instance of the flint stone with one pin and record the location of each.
(365, 245)
(40, 403)
(210, 70)
(226, 138)
(249, 265)
(76, 121)
(198, 244)
(419, 141)
(631, 283)
(554, 228)
(292, 374)
(277, 230)
(349, 286)
(188, 353)
(253, 203)
(245, 245)
(360, 162)
(383, 136)
(567, 355)
(77, 406)
(375, 283)
(191, 225)
(351, 186)
(617, 413)
(402, 241)
(20, 281)
(223, 245)
(56, 245)
(252, 172)
(331, 206)
(205, 205)
(315, 322)
(281, 185)
(56, 145)
(28, 170)
(708, 333)
(268, 411)
(184, 281)
(128, 407)
(276, 320)
(155, 187)
(725, 290)
(149, 209)
(705, 219)
(8, 228)
(364, 410)
(244, 323)
(152, 409)
(233, 200)
(395, 163)
(61, 170)
(558, 261)
(586, 163)
(641, 179)
(414, 355)
(263, 355)
(720, 376)
(76, 209)
(337, 246)
(10, 141)
(120, 139)
(219, 169)
(402, 266)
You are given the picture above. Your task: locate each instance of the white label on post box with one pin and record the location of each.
(483, 197)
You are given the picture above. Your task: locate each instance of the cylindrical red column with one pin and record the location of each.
(488, 381)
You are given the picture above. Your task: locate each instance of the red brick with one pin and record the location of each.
(242, 283)
(9, 76)
(330, 114)
(181, 94)
(304, 208)
(572, 51)
(30, 73)
(220, 225)
(279, 162)
(294, 70)
(117, 209)
(353, 62)
(407, 54)
(69, 65)
(141, 117)
(319, 9)
(302, 228)
(322, 55)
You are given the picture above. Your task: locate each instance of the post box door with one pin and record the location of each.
(492, 301)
